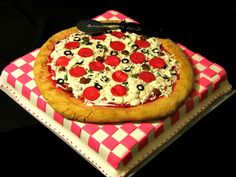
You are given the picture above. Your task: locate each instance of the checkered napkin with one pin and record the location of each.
(116, 144)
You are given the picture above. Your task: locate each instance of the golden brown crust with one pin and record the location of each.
(75, 109)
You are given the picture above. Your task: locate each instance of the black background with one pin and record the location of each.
(205, 27)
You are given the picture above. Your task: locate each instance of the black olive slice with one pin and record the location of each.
(140, 87)
(125, 60)
(144, 51)
(155, 50)
(104, 79)
(87, 43)
(128, 68)
(79, 62)
(114, 53)
(134, 47)
(99, 46)
(60, 81)
(76, 38)
(68, 52)
(98, 86)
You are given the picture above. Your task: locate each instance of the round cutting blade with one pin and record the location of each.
(90, 26)
(95, 27)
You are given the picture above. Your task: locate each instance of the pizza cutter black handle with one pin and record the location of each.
(93, 27)
(141, 30)
(131, 27)
(136, 28)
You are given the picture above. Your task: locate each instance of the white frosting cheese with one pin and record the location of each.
(113, 69)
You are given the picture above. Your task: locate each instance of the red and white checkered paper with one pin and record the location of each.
(116, 144)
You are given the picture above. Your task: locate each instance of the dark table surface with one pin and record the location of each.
(207, 148)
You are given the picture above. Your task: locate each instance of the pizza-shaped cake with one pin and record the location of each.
(112, 77)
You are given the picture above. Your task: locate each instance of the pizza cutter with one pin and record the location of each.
(93, 27)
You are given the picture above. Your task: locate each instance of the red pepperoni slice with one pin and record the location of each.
(118, 34)
(117, 45)
(119, 76)
(157, 62)
(62, 61)
(112, 61)
(91, 93)
(137, 57)
(147, 76)
(100, 37)
(77, 71)
(72, 45)
(85, 52)
(142, 43)
(118, 90)
(96, 66)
